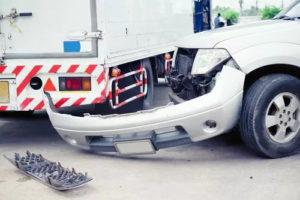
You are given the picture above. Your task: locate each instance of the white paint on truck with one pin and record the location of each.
(51, 39)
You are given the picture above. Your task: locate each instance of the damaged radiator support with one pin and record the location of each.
(49, 173)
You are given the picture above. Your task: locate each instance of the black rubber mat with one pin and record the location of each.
(49, 173)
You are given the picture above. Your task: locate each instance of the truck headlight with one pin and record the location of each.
(207, 59)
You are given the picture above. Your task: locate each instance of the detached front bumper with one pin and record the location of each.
(148, 131)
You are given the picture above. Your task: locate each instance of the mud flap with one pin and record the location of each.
(47, 172)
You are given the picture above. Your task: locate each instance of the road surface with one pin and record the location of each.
(220, 168)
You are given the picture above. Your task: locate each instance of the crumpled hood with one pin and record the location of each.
(223, 37)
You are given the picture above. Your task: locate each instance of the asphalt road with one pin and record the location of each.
(220, 168)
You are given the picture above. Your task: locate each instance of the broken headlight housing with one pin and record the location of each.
(207, 59)
(194, 71)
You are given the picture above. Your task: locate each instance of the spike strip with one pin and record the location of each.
(49, 173)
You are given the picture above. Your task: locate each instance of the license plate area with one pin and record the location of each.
(4, 92)
(134, 144)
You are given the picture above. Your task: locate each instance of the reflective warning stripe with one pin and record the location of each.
(18, 70)
(101, 77)
(2, 68)
(98, 100)
(24, 73)
(78, 102)
(25, 103)
(54, 69)
(129, 100)
(26, 81)
(3, 108)
(72, 68)
(61, 102)
(90, 69)
(40, 106)
(137, 84)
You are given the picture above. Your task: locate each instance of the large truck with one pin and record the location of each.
(90, 52)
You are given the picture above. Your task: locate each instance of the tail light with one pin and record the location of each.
(75, 84)
(115, 72)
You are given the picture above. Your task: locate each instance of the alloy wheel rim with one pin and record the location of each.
(282, 117)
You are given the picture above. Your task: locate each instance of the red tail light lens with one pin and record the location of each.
(75, 84)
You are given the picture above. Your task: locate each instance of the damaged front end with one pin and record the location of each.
(207, 92)
(188, 79)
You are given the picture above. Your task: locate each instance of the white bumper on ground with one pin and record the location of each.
(147, 131)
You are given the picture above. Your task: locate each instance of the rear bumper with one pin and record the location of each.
(195, 120)
(22, 96)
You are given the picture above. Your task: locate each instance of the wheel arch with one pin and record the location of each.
(271, 69)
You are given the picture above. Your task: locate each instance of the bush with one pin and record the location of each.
(231, 15)
(269, 12)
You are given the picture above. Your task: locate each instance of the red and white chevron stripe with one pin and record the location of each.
(29, 99)
(3, 108)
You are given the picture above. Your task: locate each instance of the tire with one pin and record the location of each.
(270, 115)
(149, 98)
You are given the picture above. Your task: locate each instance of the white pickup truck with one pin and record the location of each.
(245, 75)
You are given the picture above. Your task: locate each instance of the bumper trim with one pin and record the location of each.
(160, 141)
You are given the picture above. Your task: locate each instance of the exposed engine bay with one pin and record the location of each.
(183, 83)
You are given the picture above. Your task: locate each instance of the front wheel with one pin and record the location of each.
(270, 120)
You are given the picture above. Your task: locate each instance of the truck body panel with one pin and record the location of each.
(54, 39)
(41, 34)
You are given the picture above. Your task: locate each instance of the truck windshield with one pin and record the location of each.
(291, 13)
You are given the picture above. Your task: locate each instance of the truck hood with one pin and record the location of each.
(233, 37)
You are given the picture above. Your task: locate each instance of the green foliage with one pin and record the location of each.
(227, 13)
(231, 15)
(269, 12)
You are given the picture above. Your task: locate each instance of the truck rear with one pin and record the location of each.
(89, 52)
